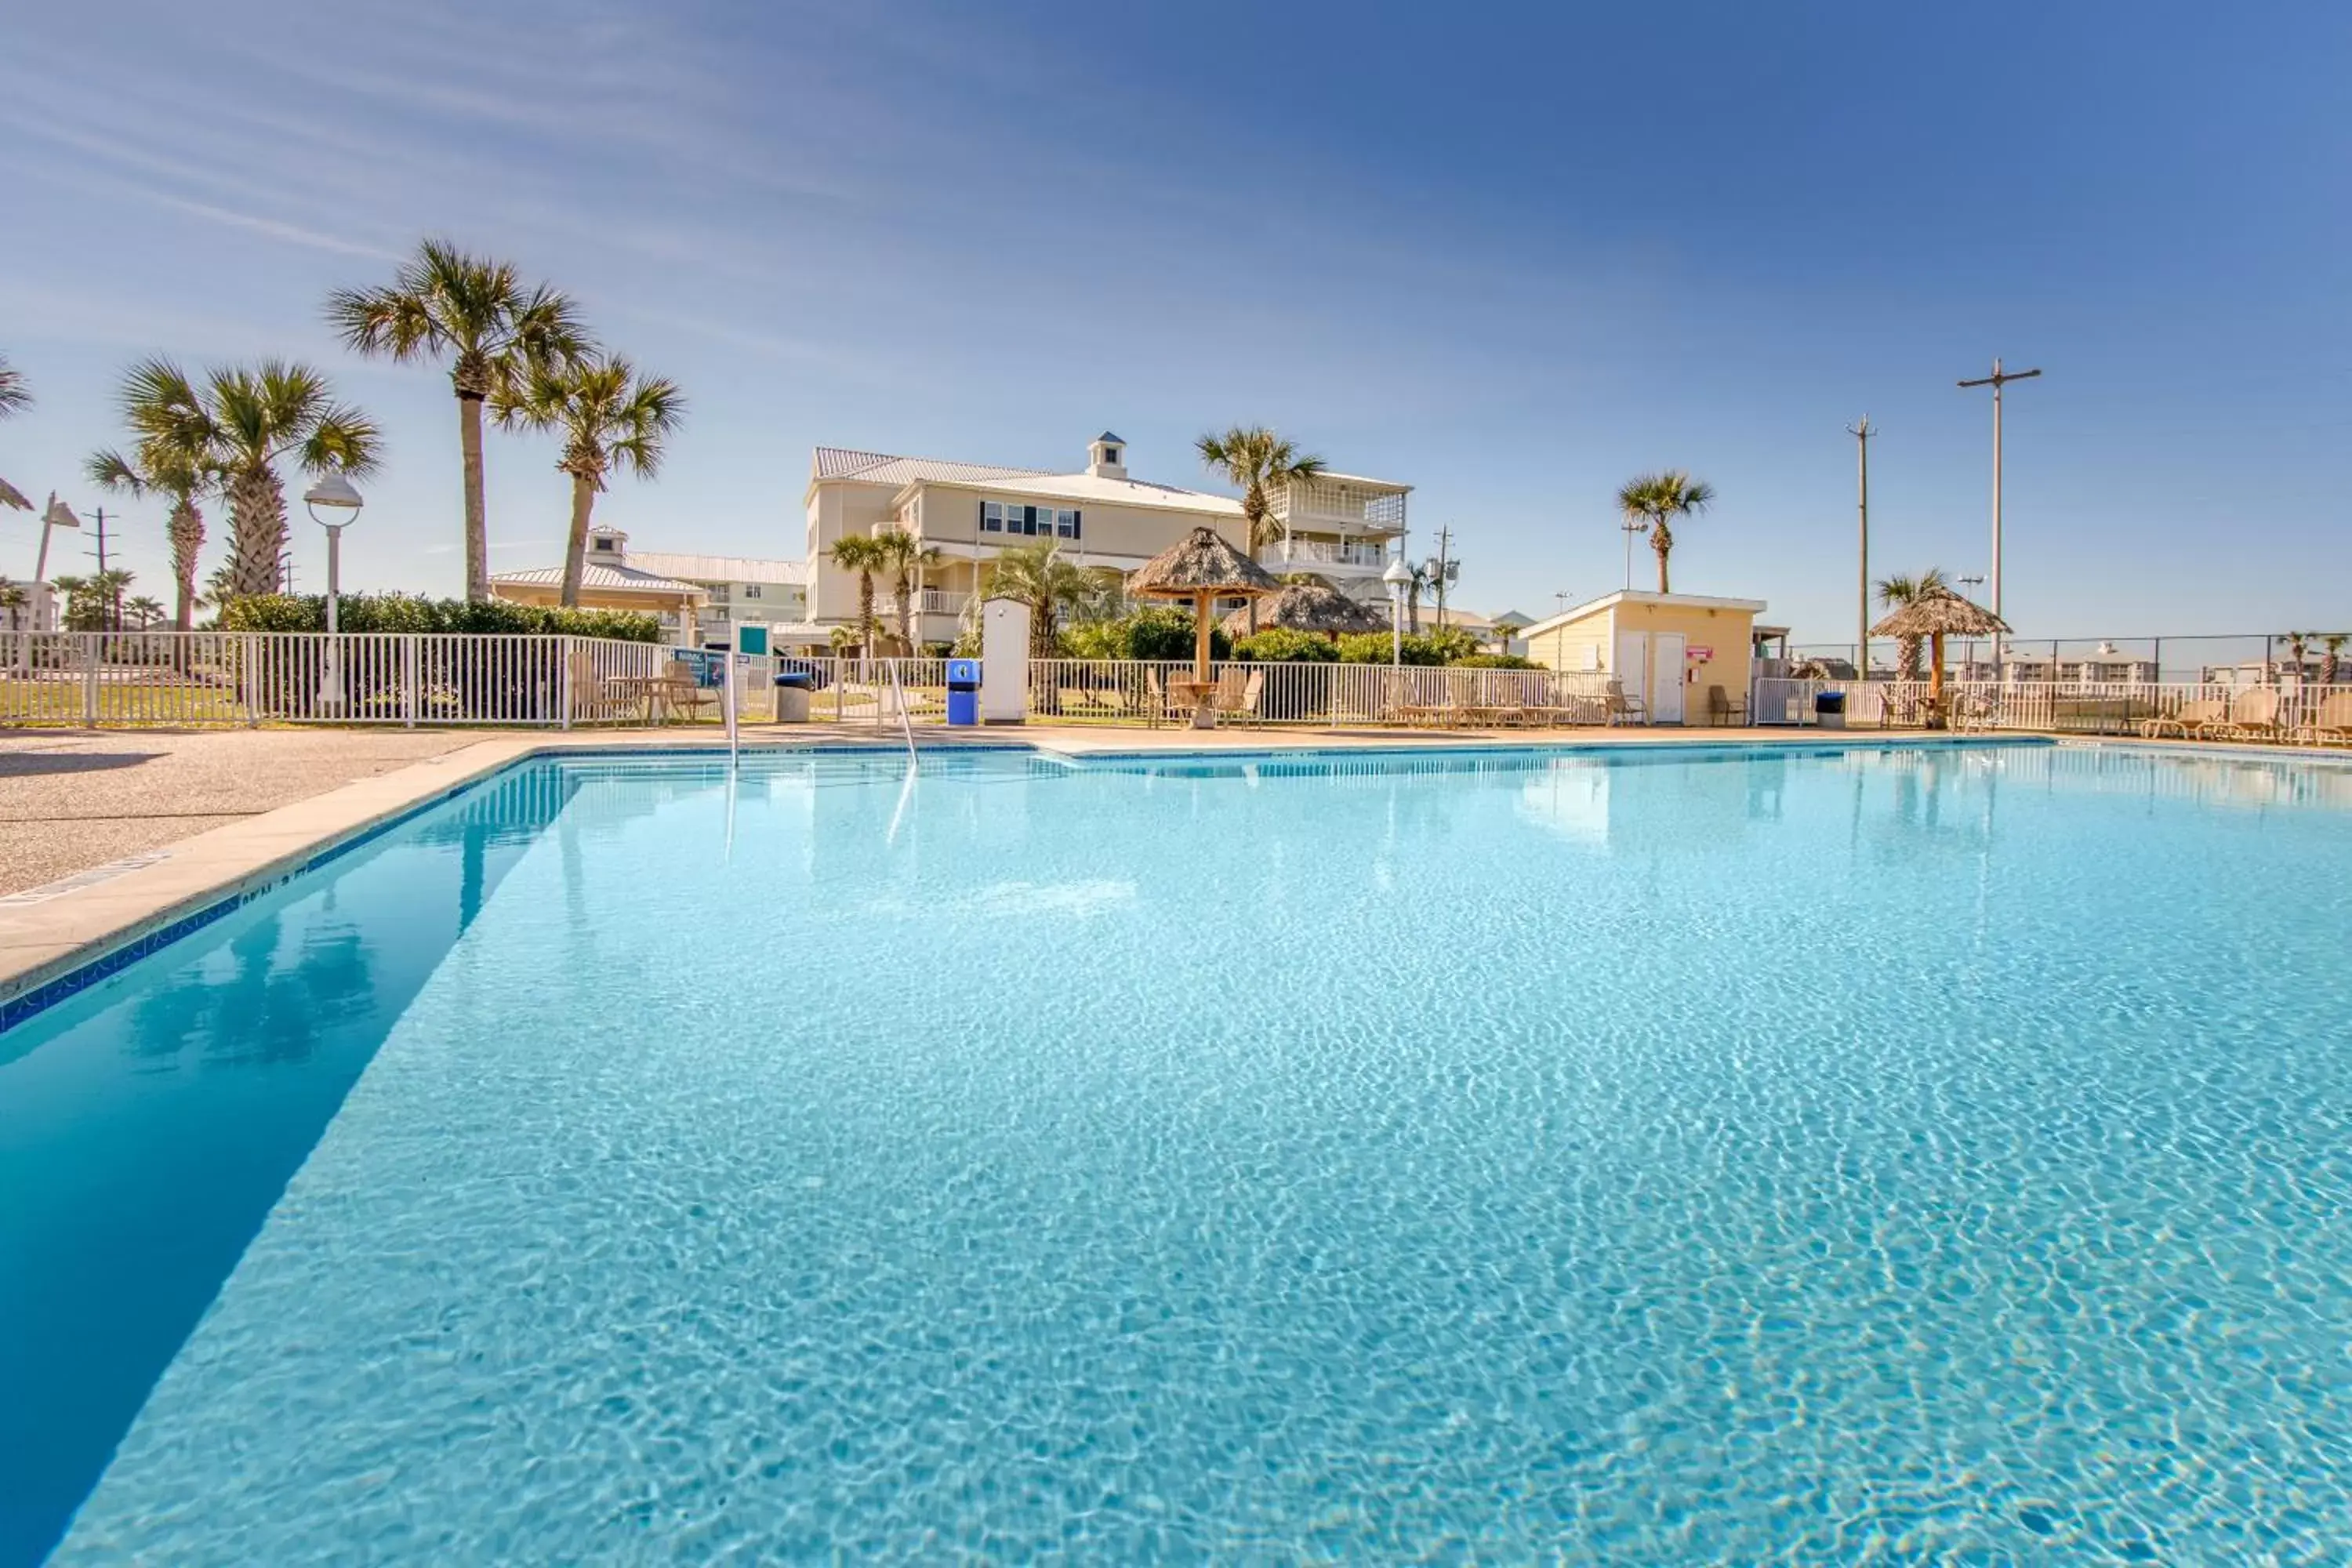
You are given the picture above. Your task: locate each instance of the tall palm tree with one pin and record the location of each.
(2331, 658)
(14, 398)
(249, 420)
(1413, 590)
(2298, 645)
(1262, 465)
(1038, 576)
(609, 417)
(1653, 502)
(142, 612)
(475, 313)
(864, 554)
(1895, 593)
(903, 555)
(181, 463)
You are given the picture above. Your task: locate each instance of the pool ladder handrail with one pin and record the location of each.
(906, 724)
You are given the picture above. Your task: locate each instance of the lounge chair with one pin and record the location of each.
(2330, 723)
(2191, 720)
(2254, 716)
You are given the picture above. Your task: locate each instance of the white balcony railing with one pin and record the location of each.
(928, 602)
(1368, 555)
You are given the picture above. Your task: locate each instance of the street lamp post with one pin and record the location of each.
(1399, 577)
(342, 502)
(1997, 380)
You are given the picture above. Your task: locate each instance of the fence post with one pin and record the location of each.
(90, 641)
(408, 681)
(563, 686)
(249, 680)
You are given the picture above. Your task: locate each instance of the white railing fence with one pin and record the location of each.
(1330, 696)
(188, 678)
(2106, 708)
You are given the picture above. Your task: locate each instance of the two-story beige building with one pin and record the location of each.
(1341, 527)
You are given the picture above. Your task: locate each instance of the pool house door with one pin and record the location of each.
(1666, 678)
(1633, 668)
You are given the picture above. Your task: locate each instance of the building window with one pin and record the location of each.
(1030, 521)
(1065, 524)
(1110, 454)
(750, 590)
(606, 545)
(992, 517)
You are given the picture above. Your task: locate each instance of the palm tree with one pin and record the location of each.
(2331, 661)
(2298, 644)
(144, 612)
(12, 600)
(904, 555)
(1653, 501)
(1895, 593)
(864, 554)
(609, 417)
(475, 313)
(1413, 589)
(1038, 576)
(14, 398)
(181, 464)
(1262, 465)
(248, 420)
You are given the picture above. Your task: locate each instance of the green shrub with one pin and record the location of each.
(1453, 645)
(1496, 662)
(1376, 647)
(1281, 645)
(1147, 634)
(412, 612)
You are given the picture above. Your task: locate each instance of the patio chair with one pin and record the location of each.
(1722, 712)
(1975, 714)
(595, 700)
(2191, 720)
(1237, 695)
(681, 692)
(2330, 723)
(1616, 705)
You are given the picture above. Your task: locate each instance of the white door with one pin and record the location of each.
(1666, 686)
(1632, 666)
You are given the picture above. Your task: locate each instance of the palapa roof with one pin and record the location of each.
(1941, 611)
(1202, 561)
(11, 496)
(1308, 604)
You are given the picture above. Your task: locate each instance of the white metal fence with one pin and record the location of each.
(186, 678)
(2291, 710)
(1326, 695)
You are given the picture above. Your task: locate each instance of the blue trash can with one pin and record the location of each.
(1829, 710)
(963, 691)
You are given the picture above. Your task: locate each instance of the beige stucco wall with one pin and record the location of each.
(1725, 631)
(952, 515)
(834, 508)
(1590, 642)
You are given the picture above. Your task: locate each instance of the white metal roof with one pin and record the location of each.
(602, 576)
(1638, 597)
(884, 469)
(718, 568)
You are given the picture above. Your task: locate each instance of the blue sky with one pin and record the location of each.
(1512, 256)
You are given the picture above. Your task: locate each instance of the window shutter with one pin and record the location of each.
(1077, 520)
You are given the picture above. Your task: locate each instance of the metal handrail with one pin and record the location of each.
(906, 723)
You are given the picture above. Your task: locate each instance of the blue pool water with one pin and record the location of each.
(1916, 1155)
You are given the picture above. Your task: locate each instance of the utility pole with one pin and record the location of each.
(1631, 530)
(1861, 433)
(114, 596)
(1444, 546)
(1997, 380)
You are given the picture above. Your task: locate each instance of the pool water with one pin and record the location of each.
(1930, 1154)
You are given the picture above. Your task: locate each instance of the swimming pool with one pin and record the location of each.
(1726, 1157)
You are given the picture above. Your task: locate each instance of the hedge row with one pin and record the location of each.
(410, 612)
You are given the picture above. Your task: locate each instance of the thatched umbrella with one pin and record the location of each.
(1201, 567)
(1936, 615)
(1308, 604)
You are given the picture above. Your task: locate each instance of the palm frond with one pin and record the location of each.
(15, 395)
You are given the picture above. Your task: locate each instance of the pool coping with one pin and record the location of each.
(58, 941)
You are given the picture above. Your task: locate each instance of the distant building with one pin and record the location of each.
(1669, 651)
(1341, 527)
(699, 598)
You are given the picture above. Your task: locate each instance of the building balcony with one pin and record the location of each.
(1340, 555)
(928, 602)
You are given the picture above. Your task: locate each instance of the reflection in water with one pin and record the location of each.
(148, 1125)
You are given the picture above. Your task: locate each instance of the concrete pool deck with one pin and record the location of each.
(110, 837)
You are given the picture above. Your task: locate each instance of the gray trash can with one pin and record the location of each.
(793, 696)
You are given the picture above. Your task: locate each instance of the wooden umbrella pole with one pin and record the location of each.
(1201, 637)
